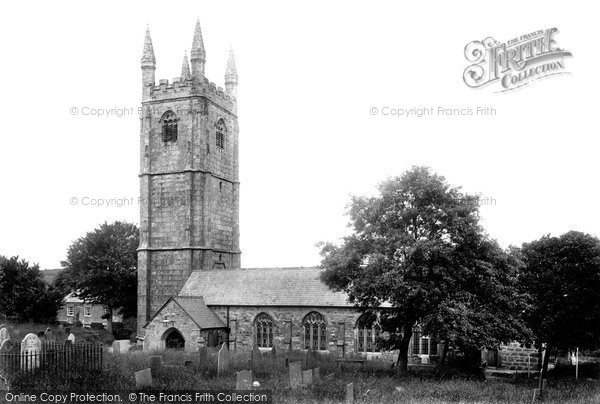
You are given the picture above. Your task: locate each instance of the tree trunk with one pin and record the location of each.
(402, 365)
(109, 324)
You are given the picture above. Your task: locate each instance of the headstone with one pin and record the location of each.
(143, 378)
(307, 377)
(295, 374)
(121, 346)
(155, 363)
(396, 355)
(4, 335)
(30, 350)
(317, 375)
(350, 393)
(274, 350)
(202, 354)
(243, 380)
(223, 360)
(255, 352)
(4, 384)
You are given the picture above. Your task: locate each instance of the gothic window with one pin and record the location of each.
(368, 333)
(423, 344)
(169, 126)
(315, 331)
(263, 325)
(221, 132)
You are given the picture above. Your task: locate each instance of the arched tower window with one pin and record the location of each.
(221, 133)
(369, 331)
(315, 331)
(263, 324)
(169, 126)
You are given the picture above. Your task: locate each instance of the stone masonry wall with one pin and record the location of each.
(189, 191)
(287, 321)
(515, 357)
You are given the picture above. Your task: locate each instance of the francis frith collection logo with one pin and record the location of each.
(514, 63)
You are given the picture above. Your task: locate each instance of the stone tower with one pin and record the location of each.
(189, 187)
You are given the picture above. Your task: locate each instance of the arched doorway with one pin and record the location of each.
(174, 339)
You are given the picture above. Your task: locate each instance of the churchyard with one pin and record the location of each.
(294, 377)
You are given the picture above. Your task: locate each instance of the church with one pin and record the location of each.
(192, 291)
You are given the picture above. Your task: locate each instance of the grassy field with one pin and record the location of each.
(374, 383)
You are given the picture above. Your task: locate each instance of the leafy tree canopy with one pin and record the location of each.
(102, 267)
(418, 248)
(562, 274)
(23, 294)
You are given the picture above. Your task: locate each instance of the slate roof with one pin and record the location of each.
(263, 287)
(195, 307)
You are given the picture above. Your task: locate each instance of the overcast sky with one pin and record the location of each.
(309, 74)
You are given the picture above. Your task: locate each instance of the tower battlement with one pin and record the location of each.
(178, 88)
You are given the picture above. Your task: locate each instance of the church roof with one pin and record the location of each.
(263, 287)
(196, 309)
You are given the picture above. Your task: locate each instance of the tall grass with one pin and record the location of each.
(375, 382)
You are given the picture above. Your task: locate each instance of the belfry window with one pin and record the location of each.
(221, 132)
(315, 331)
(368, 333)
(169, 127)
(263, 324)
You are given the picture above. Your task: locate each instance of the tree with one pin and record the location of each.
(562, 274)
(418, 248)
(23, 294)
(102, 268)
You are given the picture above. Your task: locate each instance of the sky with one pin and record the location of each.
(315, 81)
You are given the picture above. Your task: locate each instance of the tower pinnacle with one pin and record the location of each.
(148, 58)
(198, 54)
(148, 65)
(185, 69)
(231, 77)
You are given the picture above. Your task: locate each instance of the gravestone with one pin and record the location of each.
(202, 354)
(4, 384)
(143, 378)
(243, 380)
(155, 363)
(307, 377)
(255, 352)
(223, 360)
(121, 346)
(317, 375)
(4, 335)
(350, 393)
(295, 374)
(31, 347)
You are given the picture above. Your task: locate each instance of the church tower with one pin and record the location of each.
(189, 186)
